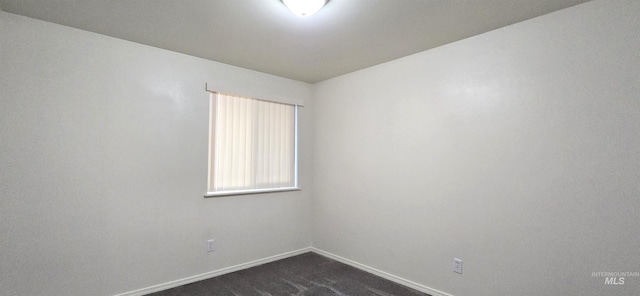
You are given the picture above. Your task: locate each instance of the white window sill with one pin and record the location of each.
(250, 191)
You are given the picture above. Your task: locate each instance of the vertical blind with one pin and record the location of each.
(252, 144)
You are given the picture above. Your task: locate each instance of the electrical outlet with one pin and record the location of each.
(457, 265)
(211, 245)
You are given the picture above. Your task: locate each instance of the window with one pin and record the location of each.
(252, 146)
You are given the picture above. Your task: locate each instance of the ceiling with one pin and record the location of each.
(263, 35)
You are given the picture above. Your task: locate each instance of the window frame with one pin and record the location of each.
(211, 130)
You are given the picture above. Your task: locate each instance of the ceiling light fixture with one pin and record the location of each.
(304, 7)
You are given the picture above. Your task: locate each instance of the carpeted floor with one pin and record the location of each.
(306, 274)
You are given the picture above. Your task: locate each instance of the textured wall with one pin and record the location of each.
(103, 166)
(517, 151)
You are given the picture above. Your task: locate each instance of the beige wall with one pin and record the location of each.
(517, 151)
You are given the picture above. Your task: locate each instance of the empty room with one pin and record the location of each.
(361, 147)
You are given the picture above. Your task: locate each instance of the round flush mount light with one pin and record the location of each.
(304, 7)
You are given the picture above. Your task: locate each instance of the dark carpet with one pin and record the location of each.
(306, 274)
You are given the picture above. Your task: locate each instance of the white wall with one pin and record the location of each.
(103, 166)
(517, 151)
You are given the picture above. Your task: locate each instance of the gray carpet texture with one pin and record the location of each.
(306, 274)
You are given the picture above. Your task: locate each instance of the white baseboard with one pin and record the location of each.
(207, 275)
(382, 274)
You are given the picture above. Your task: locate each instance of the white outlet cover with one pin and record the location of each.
(211, 245)
(457, 265)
